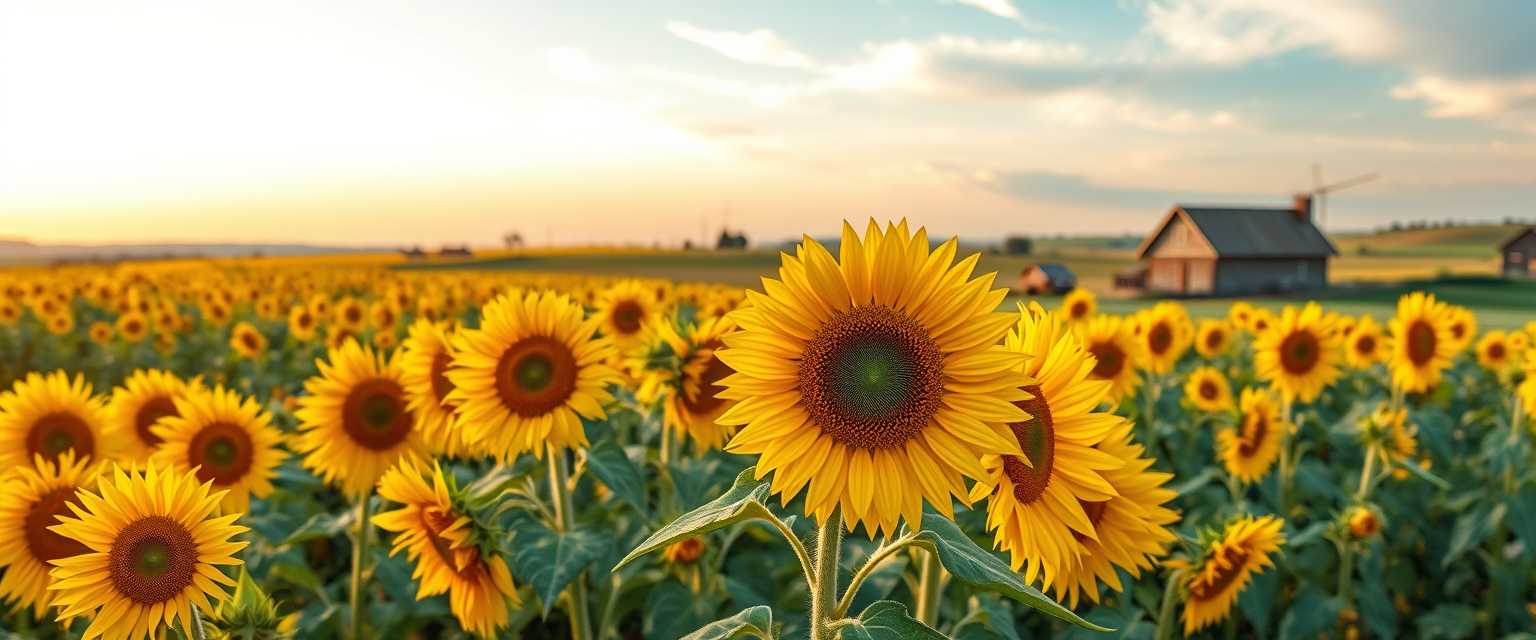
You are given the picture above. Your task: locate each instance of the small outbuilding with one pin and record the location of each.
(1226, 251)
(1519, 254)
(1046, 278)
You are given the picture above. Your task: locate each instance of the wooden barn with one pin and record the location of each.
(1519, 254)
(1046, 278)
(1227, 251)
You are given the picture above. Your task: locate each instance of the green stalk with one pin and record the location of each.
(1347, 547)
(829, 539)
(195, 624)
(930, 585)
(1165, 610)
(565, 519)
(360, 555)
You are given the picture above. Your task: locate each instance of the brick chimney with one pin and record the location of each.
(1302, 203)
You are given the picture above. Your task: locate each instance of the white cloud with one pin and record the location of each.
(1453, 98)
(760, 46)
(1237, 31)
(999, 8)
(574, 65)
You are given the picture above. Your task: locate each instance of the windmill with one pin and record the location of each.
(1320, 191)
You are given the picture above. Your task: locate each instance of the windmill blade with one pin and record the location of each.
(1345, 184)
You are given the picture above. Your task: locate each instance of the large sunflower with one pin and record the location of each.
(1421, 342)
(1208, 390)
(691, 404)
(1249, 449)
(876, 369)
(1133, 527)
(1365, 345)
(424, 363)
(49, 414)
(627, 310)
(450, 549)
(1116, 353)
(146, 396)
(1035, 504)
(229, 440)
(1166, 332)
(525, 379)
(155, 551)
(354, 423)
(1298, 354)
(1225, 567)
(31, 498)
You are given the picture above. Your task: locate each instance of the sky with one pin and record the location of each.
(379, 122)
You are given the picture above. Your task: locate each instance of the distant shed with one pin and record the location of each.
(1236, 251)
(1046, 278)
(1519, 254)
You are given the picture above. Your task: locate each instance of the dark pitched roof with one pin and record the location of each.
(1516, 238)
(1055, 271)
(1252, 233)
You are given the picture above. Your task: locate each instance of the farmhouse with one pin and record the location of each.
(1230, 251)
(1519, 254)
(1046, 278)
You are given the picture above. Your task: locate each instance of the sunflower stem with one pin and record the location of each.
(829, 540)
(930, 585)
(565, 519)
(359, 555)
(875, 560)
(1516, 419)
(1165, 609)
(195, 624)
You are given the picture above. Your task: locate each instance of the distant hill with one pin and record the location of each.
(1472, 240)
(22, 252)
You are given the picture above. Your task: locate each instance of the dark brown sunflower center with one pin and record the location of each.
(56, 433)
(441, 386)
(1110, 360)
(251, 341)
(1496, 351)
(1421, 342)
(1255, 429)
(152, 560)
(304, 320)
(1214, 339)
(46, 545)
(1366, 345)
(1299, 352)
(354, 314)
(871, 378)
(1037, 437)
(149, 413)
(1458, 330)
(1208, 390)
(374, 414)
(535, 375)
(1078, 309)
(1160, 338)
(705, 401)
(131, 327)
(222, 453)
(1237, 560)
(626, 316)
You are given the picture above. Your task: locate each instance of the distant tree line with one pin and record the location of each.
(1448, 223)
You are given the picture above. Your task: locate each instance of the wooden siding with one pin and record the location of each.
(1520, 255)
(1235, 276)
(1179, 239)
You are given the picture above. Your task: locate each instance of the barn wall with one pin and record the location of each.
(1179, 240)
(1520, 256)
(1202, 277)
(1239, 276)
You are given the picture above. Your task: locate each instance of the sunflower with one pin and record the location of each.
(1249, 449)
(350, 314)
(385, 340)
(1132, 527)
(10, 312)
(1388, 432)
(33, 497)
(1240, 314)
(1421, 342)
(354, 424)
(302, 323)
(1208, 390)
(1213, 338)
(1363, 522)
(100, 333)
(385, 316)
(133, 327)
(155, 551)
(320, 305)
(1166, 332)
(692, 405)
(1365, 345)
(879, 368)
(1079, 305)
(1463, 326)
(1116, 352)
(627, 309)
(1494, 352)
(1299, 353)
(165, 343)
(49, 414)
(247, 341)
(451, 550)
(525, 379)
(1259, 320)
(1226, 565)
(229, 440)
(60, 324)
(336, 336)
(146, 396)
(424, 364)
(1035, 503)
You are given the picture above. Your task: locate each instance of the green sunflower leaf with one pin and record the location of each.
(548, 560)
(746, 500)
(753, 622)
(607, 460)
(982, 569)
(888, 620)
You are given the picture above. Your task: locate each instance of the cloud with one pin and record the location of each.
(760, 46)
(1453, 98)
(574, 65)
(1237, 31)
(999, 8)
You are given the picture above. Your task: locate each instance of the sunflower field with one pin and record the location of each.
(870, 446)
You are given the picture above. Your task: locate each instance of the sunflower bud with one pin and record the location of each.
(1363, 522)
(685, 552)
(248, 615)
